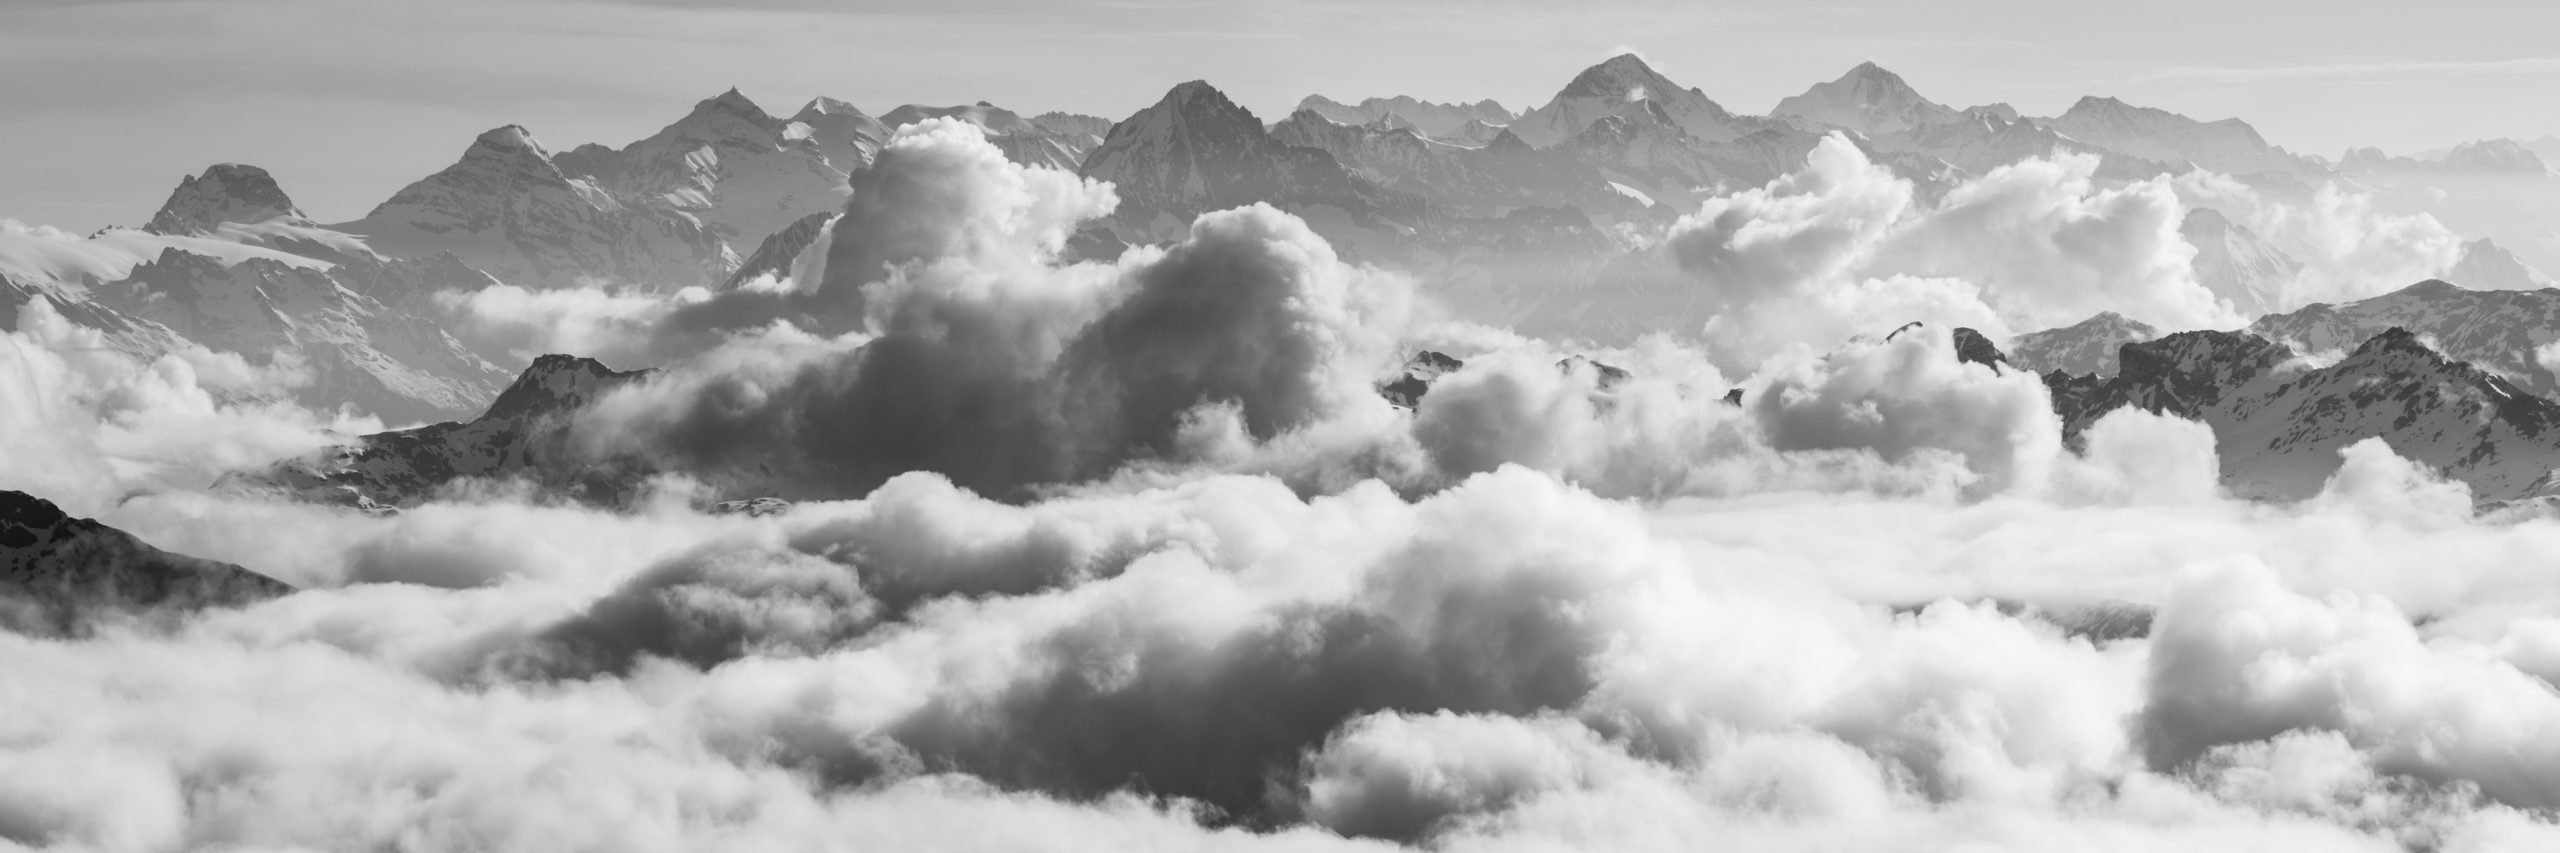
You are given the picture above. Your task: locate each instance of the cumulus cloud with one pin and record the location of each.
(1131, 553)
(2349, 249)
(86, 423)
(1844, 244)
(957, 344)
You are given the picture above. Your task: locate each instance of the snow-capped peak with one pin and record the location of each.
(1624, 76)
(1869, 100)
(556, 383)
(511, 137)
(1609, 88)
(826, 106)
(225, 193)
(733, 102)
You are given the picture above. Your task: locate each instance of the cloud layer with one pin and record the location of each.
(1130, 553)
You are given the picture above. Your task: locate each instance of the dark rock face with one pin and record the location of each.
(228, 192)
(58, 572)
(2184, 374)
(525, 433)
(1406, 390)
(2279, 422)
(1427, 367)
(1973, 348)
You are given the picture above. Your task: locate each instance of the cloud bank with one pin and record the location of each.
(1131, 553)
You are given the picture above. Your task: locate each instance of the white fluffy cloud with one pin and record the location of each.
(1131, 554)
(1843, 246)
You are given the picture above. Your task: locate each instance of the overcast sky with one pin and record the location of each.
(109, 102)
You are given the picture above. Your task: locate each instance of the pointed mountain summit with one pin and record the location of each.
(2485, 265)
(2497, 330)
(506, 208)
(726, 163)
(1615, 86)
(2085, 348)
(1869, 100)
(2279, 423)
(2495, 156)
(524, 433)
(228, 192)
(2236, 263)
(1195, 151)
(2229, 145)
(847, 135)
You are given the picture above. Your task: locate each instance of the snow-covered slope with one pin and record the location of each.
(2084, 348)
(2229, 145)
(785, 253)
(2237, 264)
(80, 263)
(358, 350)
(1430, 119)
(1612, 87)
(228, 192)
(1483, 181)
(2485, 265)
(58, 572)
(2497, 330)
(2495, 156)
(1869, 100)
(848, 136)
(507, 209)
(1022, 140)
(2279, 422)
(742, 172)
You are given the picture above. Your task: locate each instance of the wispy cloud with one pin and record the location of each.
(2342, 70)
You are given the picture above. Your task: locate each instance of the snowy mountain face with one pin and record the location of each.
(1869, 100)
(2229, 146)
(739, 171)
(1615, 86)
(2485, 265)
(1482, 182)
(2236, 264)
(2278, 423)
(226, 193)
(2086, 348)
(506, 208)
(58, 573)
(2495, 330)
(2003, 112)
(848, 136)
(2495, 157)
(360, 351)
(1439, 121)
(1082, 127)
(1022, 140)
(1977, 143)
(524, 433)
(781, 254)
(1195, 151)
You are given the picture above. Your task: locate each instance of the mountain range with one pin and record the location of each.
(1537, 219)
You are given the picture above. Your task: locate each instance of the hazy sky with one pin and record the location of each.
(109, 102)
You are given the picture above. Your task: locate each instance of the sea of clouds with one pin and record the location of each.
(1130, 554)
